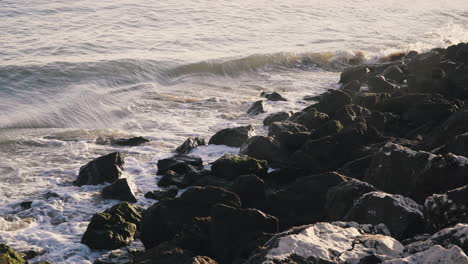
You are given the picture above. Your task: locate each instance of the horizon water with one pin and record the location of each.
(73, 73)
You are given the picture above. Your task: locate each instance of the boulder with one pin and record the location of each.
(251, 191)
(328, 243)
(189, 144)
(258, 107)
(416, 174)
(358, 73)
(340, 198)
(332, 101)
(379, 84)
(274, 96)
(172, 178)
(276, 117)
(106, 168)
(370, 100)
(232, 137)
(9, 256)
(385, 122)
(330, 128)
(235, 232)
(129, 212)
(457, 145)
(455, 125)
(165, 219)
(394, 73)
(130, 142)
(195, 236)
(277, 128)
(309, 117)
(421, 68)
(434, 255)
(402, 216)
(349, 113)
(170, 192)
(179, 164)
(168, 253)
(352, 87)
(231, 166)
(119, 190)
(444, 210)
(288, 143)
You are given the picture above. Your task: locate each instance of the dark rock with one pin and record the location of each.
(119, 190)
(263, 148)
(49, 195)
(9, 256)
(277, 128)
(358, 73)
(416, 174)
(462, 54)
(378, 84)
(356, 168)
(233, 137)
(331, 101)
(286, 175)
(421, 69)
(165, 219)
(168, 253)
(455, 125)
(370, 100)
(33, 253)
(230, 166)
(189, 144)
(310, 118)
(289, 142)
(349, 113)
(402, 216)
(180, 164)
(444, 210)
(457, 146)
(274, 96)
(170, 192)
(394, 73)
(384, 121)
(130, 142)
(26, 205)
(233, 230)
(352, 87)
(311, 97)
(130, 213)
(210, 180)
(330, 128)
(195, 236)
(258, 107)
(251, 191)
(303, 202)
(276, 117)
(106, 168)
(340, 198)
(172, 178)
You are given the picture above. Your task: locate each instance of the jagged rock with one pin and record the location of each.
(277, 128)
(402, 216)
(233, 137)
(416, 174)
(434, 255)
(274, 96)
(383, 121)
(358, 73)
(457, 146)
(189, 144)
(331, 101)
(330, 128)
(165, 219)
(168, 253)
(444, 210)
(276, 117)
(327, 243)
(349, 113)
(311, 118)
(9, 256)
(251, 191)
(235, 232)
(379, 84)
(179, 164)
(119, 190)
(340, 198)
(130, 142)
(106, 168)
(170, 192)
(303, 202)
(370, 100)
(394, 73)
(230, 166)
(258, 107)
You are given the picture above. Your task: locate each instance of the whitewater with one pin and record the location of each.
(75, 73)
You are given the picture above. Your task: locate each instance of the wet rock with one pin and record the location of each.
(49, 195)
(457, 146)
(303, 202)
(234, 231)
(416, 174)
(352, 87)
(386, 122)
(258, 107)
(165, 219)
(444, 210)
(130, 142)
(179, 164)
(394, 73)
(277, 128)
(379, 84)
(273, 96)
(309, 118)
(340, 198)
(129, 212)
(402, 216)
(263, 148)
(26, 205)
(9, 256)
(358, 73)
(189, 144)
(170, 192)
(119, 190)
(327, 243)
(195, 236)
(172, 178)
(288, 143)
(233, 137)
(276, 117)
(455, 125)
(106, 168)
(231, 166)
(349, 113)
(331, 101)
(251, 191)
(330, 128)
(370, 100)
(421, 68)
(168, 253)
(356, 168)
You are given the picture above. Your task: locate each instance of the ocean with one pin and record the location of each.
(74, 73)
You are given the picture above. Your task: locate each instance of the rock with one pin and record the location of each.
(277, 128)
(330, 128)
(310, 118)
(234, 231)
(444, 210)
(340, 198)
(416, 174)
(172, 178)
(358, 73)
(274, 96)
(370, 100)
(251, 191)
(195, 236)
(130, 142)
(119, 190)
(349, 113)
(168, 253)
(357, 168)
(170, 192)
(210, 180)
(288, 143)
(9, 256)
(394, 73)
(189, 144)
(327, 243)
(331, 101)
(402, 216)
(230, 166)
(421, 68)
(303, 202)
(233, 137)
(457, 146)
(434, 255)
(276, 117)
(453, 49)
(106, 168)
(462, 54)
(26, 205)
(129, 212)
(384, 121)
(165, 219)
(179, 164)
(258, 107)
(379, 84)
(455, 125)
(352, 87)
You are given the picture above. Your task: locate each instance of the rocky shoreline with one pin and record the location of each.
(373, 172)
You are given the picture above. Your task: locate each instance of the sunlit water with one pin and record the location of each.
(73, 71)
